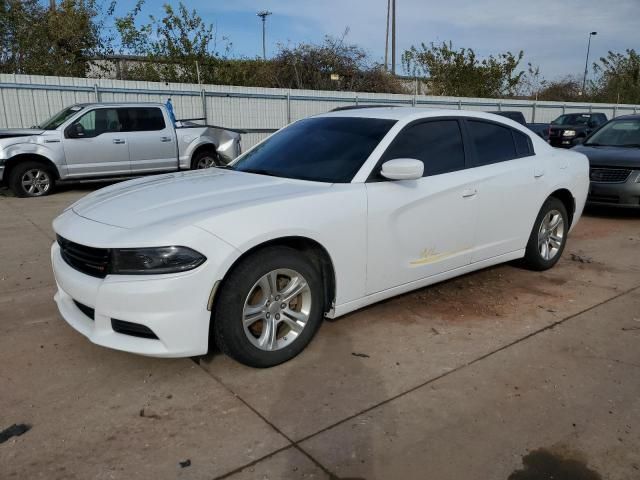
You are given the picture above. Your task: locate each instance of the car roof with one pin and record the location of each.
(414, 113)
(119, 104)
(632, 116)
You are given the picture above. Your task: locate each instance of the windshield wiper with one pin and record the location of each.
(631, 145)
(593, 145)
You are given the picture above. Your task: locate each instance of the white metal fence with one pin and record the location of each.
(27, 100)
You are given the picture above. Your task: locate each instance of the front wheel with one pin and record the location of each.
(31, 179)
(548, 237)
(269, 307)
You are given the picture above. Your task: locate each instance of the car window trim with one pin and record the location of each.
(374, 175)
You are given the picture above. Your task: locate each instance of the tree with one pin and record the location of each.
(618, 78)
(36, 40)
(308, 66)
(170, 46)
(567, 89)
(461, 73)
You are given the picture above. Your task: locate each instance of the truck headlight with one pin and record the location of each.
(569, 133)
(157, 260)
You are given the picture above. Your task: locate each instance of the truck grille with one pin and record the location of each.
(609, 175)
(89, 260)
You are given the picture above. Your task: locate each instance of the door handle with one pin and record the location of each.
(538, 173)
(165, 139)
(119, 141)
(470, 192)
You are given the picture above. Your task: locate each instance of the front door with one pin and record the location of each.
(99, 148)
(419, 228)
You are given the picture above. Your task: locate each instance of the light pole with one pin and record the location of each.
(263, 15)
(586, 63)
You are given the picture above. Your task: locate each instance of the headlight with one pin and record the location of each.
(141, 261)
(569, 133)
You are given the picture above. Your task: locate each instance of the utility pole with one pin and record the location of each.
(393, 37)
(386, 39)
(263, 15)
(52, 5)
(586, 63)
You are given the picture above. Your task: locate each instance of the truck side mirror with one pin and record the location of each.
(77, 131)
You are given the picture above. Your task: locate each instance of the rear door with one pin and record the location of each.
(509, 177)
(152, 140)
(100, 149)
(419, 228)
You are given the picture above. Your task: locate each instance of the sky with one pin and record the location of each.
(552, 33)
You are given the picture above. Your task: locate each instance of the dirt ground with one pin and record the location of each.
(499, 374)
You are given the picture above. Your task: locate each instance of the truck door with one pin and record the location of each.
(152, 139)
(95, 145)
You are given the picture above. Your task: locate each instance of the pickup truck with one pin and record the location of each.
(108, 140)
(540, 129)
(565, 129)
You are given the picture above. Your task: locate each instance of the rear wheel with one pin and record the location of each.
(548, 237)
(269, 307)
(31, 179)
(205, 159)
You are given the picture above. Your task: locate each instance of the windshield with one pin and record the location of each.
(572, 119)
(322, 149)
(60, 117)
(617, 133)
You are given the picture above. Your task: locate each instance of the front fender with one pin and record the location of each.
(53, 154)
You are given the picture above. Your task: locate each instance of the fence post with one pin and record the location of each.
(356, 100)
(459, 104)
(203, 98)
(564, 108)
(415, 93)
(289, 106)
(96, 91)
(533, 113)
(499, 106)
(615, 110)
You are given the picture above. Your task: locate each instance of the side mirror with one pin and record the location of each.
(577, 141)
(76, 131)
(402, 169)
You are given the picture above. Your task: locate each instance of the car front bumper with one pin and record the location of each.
(624, 194)
(174, 307)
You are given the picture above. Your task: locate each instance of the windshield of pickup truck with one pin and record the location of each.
(572, 119)
(60, 117)
(618, 133)
(323, 149)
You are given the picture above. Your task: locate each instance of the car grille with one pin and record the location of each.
(89, 260)
(609, 175)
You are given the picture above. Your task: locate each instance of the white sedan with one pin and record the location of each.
(330, 214)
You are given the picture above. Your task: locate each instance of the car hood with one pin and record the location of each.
(611, 156)
(19, 132)
(186, 197)
(568, 127)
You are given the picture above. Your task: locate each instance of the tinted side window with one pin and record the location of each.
(493, 143)
(438, 144)
(524, 148)
(143, 119)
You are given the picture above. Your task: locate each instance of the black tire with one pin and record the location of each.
(205, 154)
(533, 258)
(21, 169)
(228, 331)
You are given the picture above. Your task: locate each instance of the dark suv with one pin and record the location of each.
(567, 127)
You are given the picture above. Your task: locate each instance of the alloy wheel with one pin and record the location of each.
(36, 182)
(276, 309)
(551, 234)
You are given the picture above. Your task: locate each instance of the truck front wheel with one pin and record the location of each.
(31, 179)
